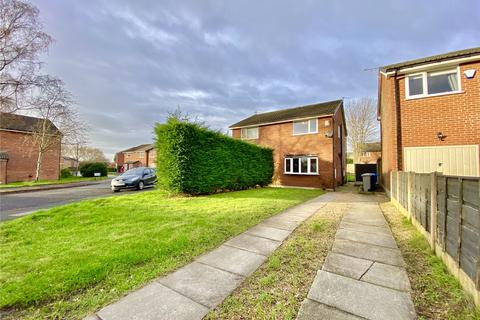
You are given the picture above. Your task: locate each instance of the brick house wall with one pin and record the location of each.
(280, 138)
(416, 122)
(23, 154)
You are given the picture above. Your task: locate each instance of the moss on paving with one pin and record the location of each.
(66, 262)
(435, 292)
(278, 287)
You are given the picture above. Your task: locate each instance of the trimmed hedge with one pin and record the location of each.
(88, 169)
(65, 173)
(192, 159)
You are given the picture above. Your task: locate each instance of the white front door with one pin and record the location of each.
(462, 160)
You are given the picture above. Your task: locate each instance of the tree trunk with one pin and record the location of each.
(39, 165)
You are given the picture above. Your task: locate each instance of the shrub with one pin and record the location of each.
(349, 160)
(88, 169)
(65, 173)
(192, 159)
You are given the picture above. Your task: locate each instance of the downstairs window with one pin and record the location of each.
(301, 165)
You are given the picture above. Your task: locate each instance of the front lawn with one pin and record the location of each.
(68, 261)
(46, 182)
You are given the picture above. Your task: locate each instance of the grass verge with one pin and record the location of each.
(47, 182)
(66, 262)
(435, 292)
(278, 287)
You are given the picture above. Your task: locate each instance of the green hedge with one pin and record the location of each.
(65, 173)
(88, 169)
(192, 159)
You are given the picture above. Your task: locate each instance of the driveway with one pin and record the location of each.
(16, 205)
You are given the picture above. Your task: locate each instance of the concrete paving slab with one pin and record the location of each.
(154, 301)
(312, 310)
(370, 252)
(366, 221)
(346, 265)
(365, 228)
(370, 238)
(281, 224)
(254, 244)
(201, 283)
(268, 232)
(388, 276)
(361, 298)
(233, 260)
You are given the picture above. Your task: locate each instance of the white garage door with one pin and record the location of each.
(451, 160)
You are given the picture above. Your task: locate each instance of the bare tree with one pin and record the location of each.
(361, 116)
(22, 40)
(53, 105)
(83, 153)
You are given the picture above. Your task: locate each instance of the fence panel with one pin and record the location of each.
(457, 218)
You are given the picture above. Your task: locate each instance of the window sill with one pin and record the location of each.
(303, 134)
(433, 95)
(301, 174)
(246, 139)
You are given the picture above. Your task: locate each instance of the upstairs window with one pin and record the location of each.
(249, 133)
(301, 165)
(426, 84)
(305, 127)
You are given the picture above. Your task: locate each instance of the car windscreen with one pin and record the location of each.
(135, 171)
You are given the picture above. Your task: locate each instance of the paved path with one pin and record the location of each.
(19, 204)
(193, 290)
(363, 276)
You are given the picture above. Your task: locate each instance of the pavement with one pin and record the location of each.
(15, 205)
(193, 290)
(364, 276)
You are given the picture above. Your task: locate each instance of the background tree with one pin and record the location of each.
(22, 41)
(53, 105)
(362, 124)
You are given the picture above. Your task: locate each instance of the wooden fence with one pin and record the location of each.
(446, 210)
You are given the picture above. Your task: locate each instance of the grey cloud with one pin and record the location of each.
(130, 63)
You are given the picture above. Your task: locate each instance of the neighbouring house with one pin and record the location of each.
(429, 110)
(70, 163)
(308, 142)
(143, 155)
(370, 154)
(19, 149)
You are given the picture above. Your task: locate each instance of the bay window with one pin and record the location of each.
(301, 165)
(433, 83)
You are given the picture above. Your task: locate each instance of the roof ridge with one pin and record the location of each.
(309, 110)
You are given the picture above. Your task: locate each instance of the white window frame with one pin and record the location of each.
(309, 169)
(309, 129)
(424, 75)
(245, 136)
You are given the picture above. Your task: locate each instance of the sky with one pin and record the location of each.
(131, 63)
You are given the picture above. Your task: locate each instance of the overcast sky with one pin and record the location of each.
(130, 63)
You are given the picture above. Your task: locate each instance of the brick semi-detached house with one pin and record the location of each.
(429, 110)
(143, 155)
(308, 143)
(19, 151)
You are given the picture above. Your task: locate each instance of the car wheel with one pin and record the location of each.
(116, 190)
(140, 185)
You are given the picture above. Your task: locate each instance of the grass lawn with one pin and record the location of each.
(68, 261)
(45, 182)
(278, 287)
(436, 293)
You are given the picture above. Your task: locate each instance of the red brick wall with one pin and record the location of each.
(280, 138)
(339, 150)
(23, 154)
(457, 116)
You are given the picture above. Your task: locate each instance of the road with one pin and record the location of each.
(19, 204)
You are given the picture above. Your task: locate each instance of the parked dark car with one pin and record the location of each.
(137, 178)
